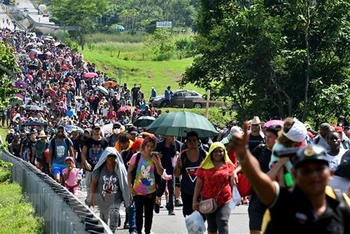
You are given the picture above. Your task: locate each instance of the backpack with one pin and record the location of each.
(133, 173)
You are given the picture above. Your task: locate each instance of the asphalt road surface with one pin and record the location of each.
(166, 224)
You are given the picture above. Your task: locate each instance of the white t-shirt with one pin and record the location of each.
(334, 161)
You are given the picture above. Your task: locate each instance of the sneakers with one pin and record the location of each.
(126, 226)
(178, 202)
(171, 212)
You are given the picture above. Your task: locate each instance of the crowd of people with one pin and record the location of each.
(57, 121)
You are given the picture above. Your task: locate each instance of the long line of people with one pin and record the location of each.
(57, 120)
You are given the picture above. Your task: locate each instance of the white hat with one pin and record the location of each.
(297, 132)
(233, 130)
(255, 120)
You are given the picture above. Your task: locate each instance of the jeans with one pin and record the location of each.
(111, 213)
(161, 189)
(144, 202)
(131, 217)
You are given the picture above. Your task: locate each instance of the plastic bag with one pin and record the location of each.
(195, 223)
(236, 198)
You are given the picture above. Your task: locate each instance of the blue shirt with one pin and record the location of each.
(69, 113)
(61, 150)
(153, 93)
(167, 94)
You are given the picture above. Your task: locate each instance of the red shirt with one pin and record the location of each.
(111, 115)
(84, 115)
(213, 179)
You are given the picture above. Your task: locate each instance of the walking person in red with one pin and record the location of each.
(214, 180)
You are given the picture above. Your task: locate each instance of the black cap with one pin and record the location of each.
(117, 125)
(310, 153)
(133, 130)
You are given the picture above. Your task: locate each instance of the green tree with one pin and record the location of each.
(264, 56)
(8, 69)
(83, 13)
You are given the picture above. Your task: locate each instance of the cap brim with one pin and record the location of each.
(308, 161)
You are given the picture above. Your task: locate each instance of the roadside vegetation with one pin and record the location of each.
(16, 213)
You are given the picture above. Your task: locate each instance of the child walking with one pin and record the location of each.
(71, 176)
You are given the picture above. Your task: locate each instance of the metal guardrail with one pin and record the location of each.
(61, 210)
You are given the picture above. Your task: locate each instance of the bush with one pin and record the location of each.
(5, 171)
(16, 213)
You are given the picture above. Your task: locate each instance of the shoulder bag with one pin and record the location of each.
(209, 206)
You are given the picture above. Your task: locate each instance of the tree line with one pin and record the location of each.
(275, 58)
(133, 15)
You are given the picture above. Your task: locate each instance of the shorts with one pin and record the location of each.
(256, 211)
(57, 168)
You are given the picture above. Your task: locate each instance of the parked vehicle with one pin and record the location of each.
(181, 98)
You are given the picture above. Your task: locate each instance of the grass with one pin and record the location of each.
(16, 213)
(3, 133)
(157, 74)
(116, 37)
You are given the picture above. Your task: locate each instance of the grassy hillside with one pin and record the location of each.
(137, 67)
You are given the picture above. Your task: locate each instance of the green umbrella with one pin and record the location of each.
(16, 100)
(144, 121)
(102, 90)
(180, 123)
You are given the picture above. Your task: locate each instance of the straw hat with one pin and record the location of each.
(255, 120)
(42, 134)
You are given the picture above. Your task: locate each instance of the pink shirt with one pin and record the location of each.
(73, 176)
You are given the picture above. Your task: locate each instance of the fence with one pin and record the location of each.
(62, 212)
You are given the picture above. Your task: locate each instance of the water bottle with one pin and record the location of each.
(288, 179)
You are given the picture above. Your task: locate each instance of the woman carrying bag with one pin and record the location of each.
(214, 180)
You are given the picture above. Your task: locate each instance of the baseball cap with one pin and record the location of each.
(326, 126)
(96, 126)
(133, 130)
(310, 153)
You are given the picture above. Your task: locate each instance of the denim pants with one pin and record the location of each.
(144, 203)
(131, 217)
(112, 214)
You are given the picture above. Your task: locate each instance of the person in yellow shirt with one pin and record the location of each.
(123, 142)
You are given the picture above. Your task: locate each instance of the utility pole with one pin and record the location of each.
(207, 105)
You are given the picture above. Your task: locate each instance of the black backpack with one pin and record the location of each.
(133, 173)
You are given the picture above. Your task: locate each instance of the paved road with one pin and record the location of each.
(5, 20)
(33, 12)
(165, 224)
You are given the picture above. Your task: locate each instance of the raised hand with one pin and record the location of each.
(239, 143)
